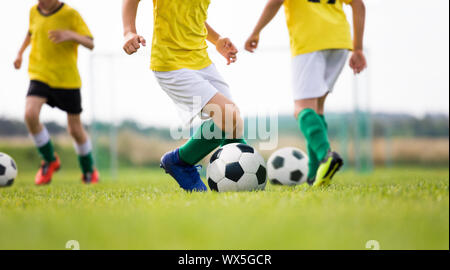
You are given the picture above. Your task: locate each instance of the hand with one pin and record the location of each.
(252, 43)
(358, 61)
(58, 36)
(132, 41)
(226, 48)
(18, 62)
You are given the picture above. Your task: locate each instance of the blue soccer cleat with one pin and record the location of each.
(185, 174)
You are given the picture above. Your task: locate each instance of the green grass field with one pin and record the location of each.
(402, 208)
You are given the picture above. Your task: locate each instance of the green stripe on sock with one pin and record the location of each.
(47, 152)
(315, 132)
(198, 147)
(314, 162)
(324, 121)
(86, 163)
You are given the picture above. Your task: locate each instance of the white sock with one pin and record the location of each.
(42, 138)
(83, 149)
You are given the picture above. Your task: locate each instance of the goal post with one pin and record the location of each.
(362, 127)
(103, 130)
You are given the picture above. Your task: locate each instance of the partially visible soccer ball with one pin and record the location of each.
(8, 170)
(236, 167)
(288, 166)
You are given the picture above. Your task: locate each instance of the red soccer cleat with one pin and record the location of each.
(45, 173)
(91, 177)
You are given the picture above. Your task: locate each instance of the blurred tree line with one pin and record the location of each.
(396, 125)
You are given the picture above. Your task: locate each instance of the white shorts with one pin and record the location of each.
(191, 90)
(316, 73)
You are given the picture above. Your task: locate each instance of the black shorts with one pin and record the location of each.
(68, 100)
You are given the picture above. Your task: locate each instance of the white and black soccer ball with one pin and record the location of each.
(236, 167)
(8, 170)
(288, 166)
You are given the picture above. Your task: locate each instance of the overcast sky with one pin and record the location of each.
(407, 43)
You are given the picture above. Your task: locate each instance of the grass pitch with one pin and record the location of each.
(402, 208)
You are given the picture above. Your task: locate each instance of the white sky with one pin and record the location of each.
(407, 40)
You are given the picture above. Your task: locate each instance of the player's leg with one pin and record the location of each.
(37, 130)
(190, 92)
(37, 96)
(224, 127)
(209, 135)
(312, 127)
(314, 162)
(83, 148)
(228, 119)
(321, 110)
(313, 80)
(335, 62)
(332, 162)
(183, 86)
(309, 86)
(216, 80)
(225, 119)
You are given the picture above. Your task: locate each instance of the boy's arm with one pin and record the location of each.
(271, 9)
(25, 44)
(58, 36)
(358, 61)
(223, 45)
(213, 36)
(132, 39)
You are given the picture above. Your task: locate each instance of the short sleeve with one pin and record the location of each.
(348, 2)
(80, 26)
(31, 20)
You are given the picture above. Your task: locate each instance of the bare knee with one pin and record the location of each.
(232, 122)
(32, 120)
(77, 133)
(321, 105)
(304, 104)
(31, 116)
(76, 130)
(226, 115)
(32, 110)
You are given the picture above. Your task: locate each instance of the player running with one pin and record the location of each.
(55, 31)
(320, 41)
(183, 69)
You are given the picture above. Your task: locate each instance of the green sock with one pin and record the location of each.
(86, 163)
(198, 146)
(313, 163)
(313, 160)
(324, 121)
(315, 132)
(47, 152)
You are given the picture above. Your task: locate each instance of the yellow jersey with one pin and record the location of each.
(179, 35)
(316, 25)
(50, 63)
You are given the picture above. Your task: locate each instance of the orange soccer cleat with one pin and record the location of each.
(45, 173)
(91, 177)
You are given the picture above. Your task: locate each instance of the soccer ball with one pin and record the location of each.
(236, 167)
(288, 166)
(8, 170)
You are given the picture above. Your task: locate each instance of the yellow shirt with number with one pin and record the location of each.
(316, 25)
(179, 35)
(50, 63)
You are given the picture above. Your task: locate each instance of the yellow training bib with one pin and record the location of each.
(179, 36)
(50, 63)
(316, 25)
